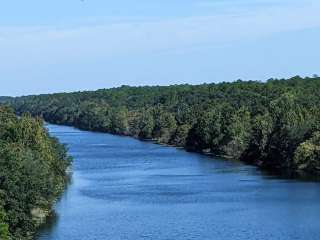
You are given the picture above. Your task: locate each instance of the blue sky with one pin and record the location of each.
(55, 46)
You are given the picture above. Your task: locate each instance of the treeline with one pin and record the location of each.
(274, 124)
(32, 174)
(5, 99)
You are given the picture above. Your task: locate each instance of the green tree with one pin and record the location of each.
(32, 173)
(289, 129)
(146, 124)
(239, 133)
(307, 155)
(119, 121)
(4, 229)
(164, 125)
(262, 126)
(180, 136)
(208, 132)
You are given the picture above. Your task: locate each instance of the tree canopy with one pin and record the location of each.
(266, 123)
(32, 174)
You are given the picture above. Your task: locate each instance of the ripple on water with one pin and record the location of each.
(126, 189)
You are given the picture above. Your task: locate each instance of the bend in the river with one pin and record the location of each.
(123, 188)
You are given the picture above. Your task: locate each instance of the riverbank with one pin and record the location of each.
(282, 172)
(32, 174)
(273, 124)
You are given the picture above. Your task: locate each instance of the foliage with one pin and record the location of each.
(260, 122)
(32, 173)
(4, 229)
(307, 154)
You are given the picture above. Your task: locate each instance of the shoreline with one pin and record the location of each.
(281, 172)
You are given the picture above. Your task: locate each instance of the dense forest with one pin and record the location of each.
(32, 174)
(273, 124)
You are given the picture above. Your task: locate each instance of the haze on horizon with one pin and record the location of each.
(56, 46)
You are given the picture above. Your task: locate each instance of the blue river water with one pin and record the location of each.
(125, 189)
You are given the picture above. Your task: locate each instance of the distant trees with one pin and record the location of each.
(239, 133)
(204, 132)
(119, 121)
(32, 173)
(179, 138)
(164, 125)
(261, 129)
(146, 123)
(261, 123)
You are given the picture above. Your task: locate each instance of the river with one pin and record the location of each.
(125, 189)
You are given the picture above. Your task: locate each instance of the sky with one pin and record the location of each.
(63, 46)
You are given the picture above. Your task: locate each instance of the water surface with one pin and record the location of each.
(123, 189)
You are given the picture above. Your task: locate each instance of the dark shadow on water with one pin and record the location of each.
(266, 173)
(53, 218)
(50, 224)
(290, 175)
